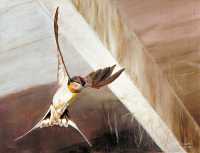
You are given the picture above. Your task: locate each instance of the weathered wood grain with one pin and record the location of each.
(170, 31)
(134, 20)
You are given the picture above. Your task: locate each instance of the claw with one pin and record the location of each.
(64, 122)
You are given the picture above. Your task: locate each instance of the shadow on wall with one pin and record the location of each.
(105, 121)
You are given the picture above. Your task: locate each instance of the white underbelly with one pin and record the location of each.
(62, 95)
(62, 99)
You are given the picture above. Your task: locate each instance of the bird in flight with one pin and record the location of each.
(70, 87)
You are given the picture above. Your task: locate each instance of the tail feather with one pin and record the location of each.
(67, 123)
(73, 124)
(38, 125)
(34, 128)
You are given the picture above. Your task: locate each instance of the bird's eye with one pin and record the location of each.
(76, 85)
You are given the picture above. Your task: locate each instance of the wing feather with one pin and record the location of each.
(62, 74)
(101, 77)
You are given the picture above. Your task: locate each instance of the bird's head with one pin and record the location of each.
(76, 84)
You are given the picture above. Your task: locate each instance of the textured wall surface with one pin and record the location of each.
(149, 39)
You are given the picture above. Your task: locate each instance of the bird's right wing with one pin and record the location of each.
(101, 77)
(62, 74)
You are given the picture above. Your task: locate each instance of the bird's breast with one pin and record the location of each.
(63, 97)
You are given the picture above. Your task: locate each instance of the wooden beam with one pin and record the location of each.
(111, 22)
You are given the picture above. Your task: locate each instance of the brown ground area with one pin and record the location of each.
(99, 114)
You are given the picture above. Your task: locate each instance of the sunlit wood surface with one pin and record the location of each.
(170, 31)
(157, 42)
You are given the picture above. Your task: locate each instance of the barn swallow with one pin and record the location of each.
(70, 87)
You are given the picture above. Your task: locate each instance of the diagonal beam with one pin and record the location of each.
(116, 32)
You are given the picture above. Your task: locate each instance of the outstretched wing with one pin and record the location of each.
(62, 74)
(38, 125)
(101, 77)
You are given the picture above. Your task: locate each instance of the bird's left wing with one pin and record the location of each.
(62, 74)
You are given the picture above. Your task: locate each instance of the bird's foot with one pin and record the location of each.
(45, 123)
(63, 123)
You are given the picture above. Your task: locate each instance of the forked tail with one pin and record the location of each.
(60, 124)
